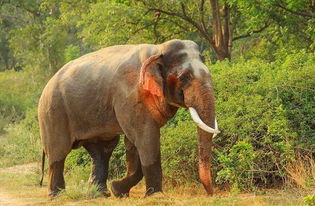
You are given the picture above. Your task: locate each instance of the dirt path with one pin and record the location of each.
(21, 169)
(7, 199)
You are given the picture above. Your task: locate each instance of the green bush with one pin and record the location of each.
(309, 200)
(80, 158)
(21, 142)
(179, 150)
(270, 106)
(237, 165)
(19, 93)
(265, 112)
(71, 52)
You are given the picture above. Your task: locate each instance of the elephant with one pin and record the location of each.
(130, 90)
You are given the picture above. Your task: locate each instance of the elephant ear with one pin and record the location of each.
(151, 80)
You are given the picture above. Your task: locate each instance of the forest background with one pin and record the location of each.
(262, 61)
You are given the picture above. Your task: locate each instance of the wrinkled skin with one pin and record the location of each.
(132, 90)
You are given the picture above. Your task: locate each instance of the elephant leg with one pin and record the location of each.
(153, 176)
(100, 153)
(121, 188)
(148, 147)
(56, 179)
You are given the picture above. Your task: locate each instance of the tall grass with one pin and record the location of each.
(19, 135)
(301, 173)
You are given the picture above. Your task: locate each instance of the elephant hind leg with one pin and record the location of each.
(100, 152)
(121, 188)
(56, 179)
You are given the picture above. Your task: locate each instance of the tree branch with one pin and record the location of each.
(250, 33)
(296, 12)
(187, 19)
(202, 17)
(198, 27)
(175, 23)
(155, 25)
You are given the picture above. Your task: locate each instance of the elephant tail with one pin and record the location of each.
(43, 168)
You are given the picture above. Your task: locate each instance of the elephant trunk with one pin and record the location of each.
(204, 149)
(203, 113)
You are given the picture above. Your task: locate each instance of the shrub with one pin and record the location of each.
(237, 165)
(22, 143)
(81, 158)
(265, 112)
(270, 106)
(309, 200)
(179, 150)
(19, 91)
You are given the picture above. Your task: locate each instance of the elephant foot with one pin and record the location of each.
(103, 190)
(151, 191)
(154, 194)
(106, 193)
(54, 193)
(118, 190)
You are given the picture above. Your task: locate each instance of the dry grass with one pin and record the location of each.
(301, 173)
(23, 189)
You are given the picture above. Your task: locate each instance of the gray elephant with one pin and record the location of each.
(132, 90)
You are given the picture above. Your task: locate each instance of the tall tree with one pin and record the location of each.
(212, 19)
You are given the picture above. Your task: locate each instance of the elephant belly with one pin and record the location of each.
(103, 131)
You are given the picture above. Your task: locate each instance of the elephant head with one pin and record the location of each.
(175, 76)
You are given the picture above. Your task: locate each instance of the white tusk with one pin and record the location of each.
(202, 125)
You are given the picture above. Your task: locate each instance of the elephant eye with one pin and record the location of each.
(185, 77)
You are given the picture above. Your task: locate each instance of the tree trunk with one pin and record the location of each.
(222, 31)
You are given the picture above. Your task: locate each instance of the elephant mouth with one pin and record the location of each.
(175, 104)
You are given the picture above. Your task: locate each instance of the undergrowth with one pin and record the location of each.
(265, 112)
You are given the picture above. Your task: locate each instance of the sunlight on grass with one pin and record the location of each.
(25, 187)
(81, 190)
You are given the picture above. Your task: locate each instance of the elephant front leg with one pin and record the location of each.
(100, 153)
(121, 188)
(152, 172)
(149, 151)
(144, 133)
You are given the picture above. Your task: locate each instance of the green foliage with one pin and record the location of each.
(265, 111)
(270, 107)
(19, 93)
(22, 143)
(101, 28)
(309, 200)
(117, 162)
(179, 151)
(237, 165)
(265, 97)
(79, 158)
(78, 185)
(71, 52)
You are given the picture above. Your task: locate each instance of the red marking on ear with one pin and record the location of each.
(155, 106)
(145, 66)
(149, 82)
(152, 86)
